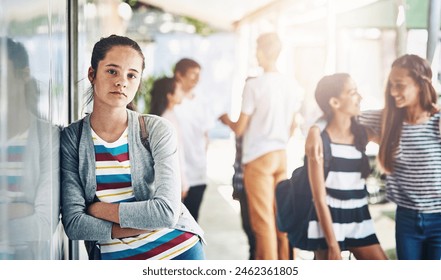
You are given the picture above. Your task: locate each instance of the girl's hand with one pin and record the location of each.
(184, 194)
(435, 108)
(334, 253)
(118, 232)
(225, 119)
(104, 211)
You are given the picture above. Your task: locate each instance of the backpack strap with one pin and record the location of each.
(144, 133)
(327, 155)
(80, 131)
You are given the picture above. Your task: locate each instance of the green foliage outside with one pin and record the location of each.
(201, 28)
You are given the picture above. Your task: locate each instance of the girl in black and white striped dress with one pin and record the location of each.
(341, 219)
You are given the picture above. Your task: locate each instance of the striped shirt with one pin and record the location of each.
(416, 180)
(114, 182)
(114, 185)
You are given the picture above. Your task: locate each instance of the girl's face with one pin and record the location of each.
(117, 78)
(176, 96)
(403, 88)
(349, 99)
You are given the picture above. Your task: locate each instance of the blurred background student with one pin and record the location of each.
(193, 117)
(166, 93)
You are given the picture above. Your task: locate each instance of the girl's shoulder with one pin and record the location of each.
(437, 115)
(147, 117)
(434, 119)
(74, 128)
(154, 123)
(154, 119)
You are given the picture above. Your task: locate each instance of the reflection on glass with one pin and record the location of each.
(29, 162)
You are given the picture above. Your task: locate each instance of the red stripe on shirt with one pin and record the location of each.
(110, 157)
(112, 186)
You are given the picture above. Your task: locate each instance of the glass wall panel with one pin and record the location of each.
(33, 90)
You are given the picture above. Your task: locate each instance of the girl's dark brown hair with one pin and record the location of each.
(105, 44)
(159, 101)
(419, 70)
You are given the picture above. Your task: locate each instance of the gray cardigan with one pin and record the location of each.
(155, 180)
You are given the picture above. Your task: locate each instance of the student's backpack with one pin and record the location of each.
(294, 199)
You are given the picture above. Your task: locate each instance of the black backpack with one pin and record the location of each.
(294, 198)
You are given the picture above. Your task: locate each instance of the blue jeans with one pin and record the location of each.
(418, 235)
(195, 253)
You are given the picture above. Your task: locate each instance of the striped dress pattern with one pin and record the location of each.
(114, 185)
(346, 196)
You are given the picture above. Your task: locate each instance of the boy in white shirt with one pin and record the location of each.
(266, 122)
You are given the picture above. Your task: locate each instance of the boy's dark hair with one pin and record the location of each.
(184, 64)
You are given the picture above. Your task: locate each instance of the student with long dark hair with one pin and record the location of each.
(341, 219)
(410, 154)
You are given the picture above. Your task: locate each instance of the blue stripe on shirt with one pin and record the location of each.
(101, 149)
(117, 178)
